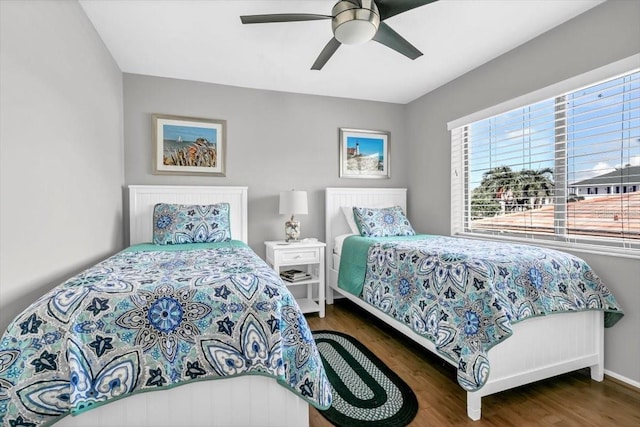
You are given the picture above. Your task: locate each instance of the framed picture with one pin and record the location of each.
(188, 146)
(364, 153)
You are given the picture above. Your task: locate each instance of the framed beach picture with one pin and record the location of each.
(364, 153)
(188, 146)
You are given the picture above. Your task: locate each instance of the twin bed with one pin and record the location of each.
(150, 320)
(208, 327)
(461, 298)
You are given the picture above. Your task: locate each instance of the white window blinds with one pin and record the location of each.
(565, 168)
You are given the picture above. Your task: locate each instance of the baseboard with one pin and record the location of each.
(622, 379)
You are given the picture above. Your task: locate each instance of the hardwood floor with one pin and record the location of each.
(568, 400)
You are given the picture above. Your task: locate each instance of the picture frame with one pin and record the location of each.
(188, 145)
(364, 153)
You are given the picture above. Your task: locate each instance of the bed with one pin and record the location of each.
(199, 334)
(537, 348)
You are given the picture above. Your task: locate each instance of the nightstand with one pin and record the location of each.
(307, 257)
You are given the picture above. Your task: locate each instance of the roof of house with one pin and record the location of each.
(627, 175)
(608, 216)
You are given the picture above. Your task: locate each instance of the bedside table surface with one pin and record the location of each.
(281, 244)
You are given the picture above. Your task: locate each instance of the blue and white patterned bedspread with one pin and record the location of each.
(149, 319)
(464, 295)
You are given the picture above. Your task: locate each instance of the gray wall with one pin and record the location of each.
(598, 37)
(61, 149)
(275, 141)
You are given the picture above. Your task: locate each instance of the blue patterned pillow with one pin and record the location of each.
(177, 224)
(382, 222)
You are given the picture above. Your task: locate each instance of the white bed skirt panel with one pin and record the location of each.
(250, 400)
(543, 347)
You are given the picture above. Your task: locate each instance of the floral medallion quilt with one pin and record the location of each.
(464, 295)
(150, 318)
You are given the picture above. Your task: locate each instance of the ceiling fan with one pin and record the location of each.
(354, 22)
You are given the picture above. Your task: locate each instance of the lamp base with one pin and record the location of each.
(292, 230)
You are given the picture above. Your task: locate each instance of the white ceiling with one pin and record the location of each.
(205, 41)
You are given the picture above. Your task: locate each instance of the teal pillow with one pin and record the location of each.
(178, 224)
(382, 222)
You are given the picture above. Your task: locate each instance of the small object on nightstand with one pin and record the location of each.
(294, 275)
(293, 202)
(301, 265)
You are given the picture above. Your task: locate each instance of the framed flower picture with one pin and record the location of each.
(188, 146)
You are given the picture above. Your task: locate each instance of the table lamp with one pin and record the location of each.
(293, 203)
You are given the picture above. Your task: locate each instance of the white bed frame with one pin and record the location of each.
(250, 400)
(540, 347)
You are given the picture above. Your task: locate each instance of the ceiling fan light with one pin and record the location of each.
(352, 24)
(355, 32)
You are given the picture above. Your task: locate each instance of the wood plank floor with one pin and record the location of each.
(568, 400)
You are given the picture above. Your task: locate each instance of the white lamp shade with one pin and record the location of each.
(355, 32)
(293, 203)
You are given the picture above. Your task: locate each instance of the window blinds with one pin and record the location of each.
(564, 168)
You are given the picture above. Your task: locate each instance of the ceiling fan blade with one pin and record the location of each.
(388, 37)
(389, 8)
(326, 53)
(281, 17)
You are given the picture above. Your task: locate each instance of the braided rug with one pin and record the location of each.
(365, 391)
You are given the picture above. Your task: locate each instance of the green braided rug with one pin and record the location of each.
(365, 391)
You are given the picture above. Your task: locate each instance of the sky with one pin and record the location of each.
(603, 133)
(368, 146)
(189, 133)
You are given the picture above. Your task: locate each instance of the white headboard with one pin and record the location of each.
(142, 199)
(335, 198)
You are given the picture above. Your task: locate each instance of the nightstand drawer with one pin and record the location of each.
(297, 255)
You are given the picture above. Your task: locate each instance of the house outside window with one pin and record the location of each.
(545, 171)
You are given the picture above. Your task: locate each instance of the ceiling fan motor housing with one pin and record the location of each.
(352, 24)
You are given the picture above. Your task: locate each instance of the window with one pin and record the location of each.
(565, 168)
